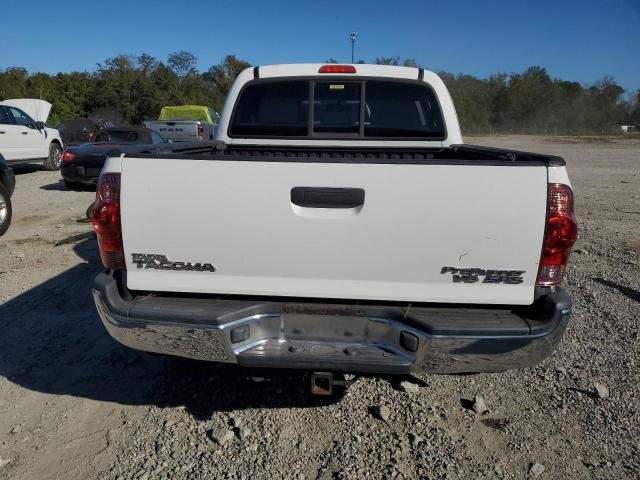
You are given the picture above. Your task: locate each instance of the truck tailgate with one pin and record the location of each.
(176, 130)
(402, 241)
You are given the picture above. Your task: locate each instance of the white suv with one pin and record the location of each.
(23, 135)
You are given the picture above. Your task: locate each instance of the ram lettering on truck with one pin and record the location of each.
(347, 228)
(185, 123)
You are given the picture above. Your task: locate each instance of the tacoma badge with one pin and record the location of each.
(160, 262)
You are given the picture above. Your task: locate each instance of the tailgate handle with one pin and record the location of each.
(322, 197)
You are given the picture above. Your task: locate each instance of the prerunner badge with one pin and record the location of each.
(472, 275)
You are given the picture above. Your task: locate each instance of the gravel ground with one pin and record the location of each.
(75, 404)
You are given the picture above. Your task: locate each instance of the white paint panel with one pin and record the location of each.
(559, 175)
(113, 165)
(415, 220)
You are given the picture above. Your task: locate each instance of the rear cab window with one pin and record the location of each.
(278, 109)
(342, 108)
(336, 107)
(402, 110)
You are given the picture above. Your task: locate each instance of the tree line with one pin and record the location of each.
(137, 87)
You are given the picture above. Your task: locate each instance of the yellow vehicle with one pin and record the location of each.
(185, 123)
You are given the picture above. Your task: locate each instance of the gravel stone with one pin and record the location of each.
(601, 390)
(242, 433)
(381, 412)
(16, 429)
(409, 387)
(536, 469)
(479, 405)
(235, 420)
(220, 435)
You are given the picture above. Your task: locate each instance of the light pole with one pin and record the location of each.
(353, 36)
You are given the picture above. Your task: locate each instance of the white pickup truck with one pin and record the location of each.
(185, 123)
(337, 224)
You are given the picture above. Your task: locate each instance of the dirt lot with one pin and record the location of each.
(74, 404)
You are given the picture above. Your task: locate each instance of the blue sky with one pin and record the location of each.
(575, 40)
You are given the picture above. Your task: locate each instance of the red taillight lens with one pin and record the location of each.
(561, 232)
(337, 69)
(106, 221)
(90, 136)
(200, 131)
(67, 157)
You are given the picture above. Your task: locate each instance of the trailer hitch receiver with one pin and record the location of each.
(323, 383)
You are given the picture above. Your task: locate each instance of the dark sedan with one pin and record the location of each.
(81, 165)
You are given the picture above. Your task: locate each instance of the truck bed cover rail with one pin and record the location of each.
(455, 155)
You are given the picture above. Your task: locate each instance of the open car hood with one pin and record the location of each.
(36, 109)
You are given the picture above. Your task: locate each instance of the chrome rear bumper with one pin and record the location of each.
(341, 337)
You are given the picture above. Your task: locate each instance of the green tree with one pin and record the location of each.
(13, 83)
(604, 106)
(387, 61)
(112, 88)
(410, 62)
(633, 117)
(183, 63)
(221, 77)
(499, 107)
(529, 94)
(69, 96)
(138, 86)
(472, 99)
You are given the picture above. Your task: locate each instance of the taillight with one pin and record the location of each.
(90, 136)
(106, 221)
(200, 131)
(561, 232)
(337, 69)
(67, 157)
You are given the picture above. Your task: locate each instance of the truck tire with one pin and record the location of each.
(89, 211)
(52, 162)
(5, 210)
